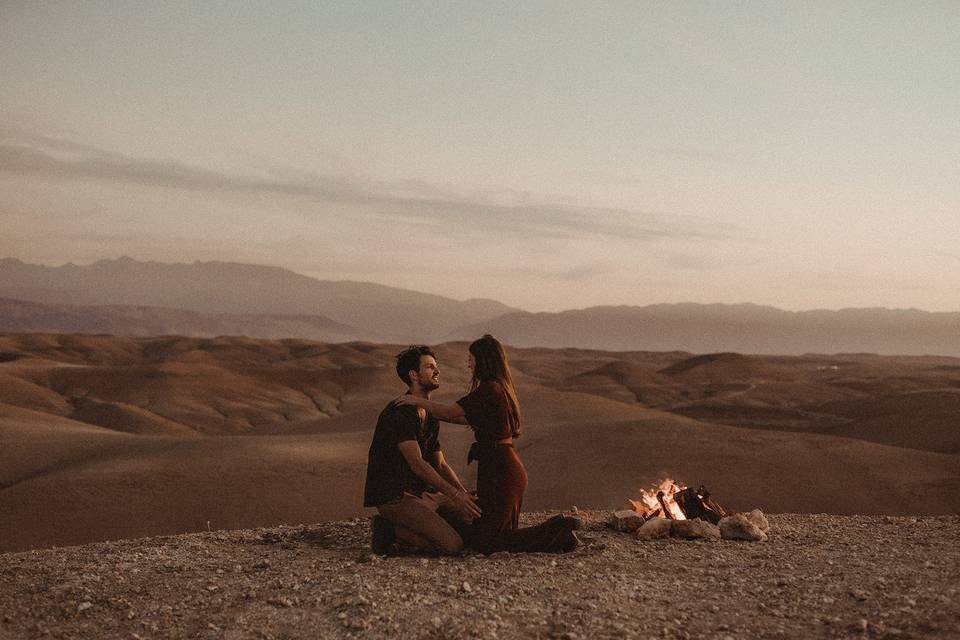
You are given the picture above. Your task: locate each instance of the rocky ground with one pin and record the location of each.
(818, 576)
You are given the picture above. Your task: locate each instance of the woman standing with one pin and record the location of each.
(493, 412)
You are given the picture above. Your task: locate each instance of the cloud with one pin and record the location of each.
(574, 273)
(484, 214)
(690, 262)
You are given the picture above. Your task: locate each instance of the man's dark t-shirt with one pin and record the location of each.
(388, 474)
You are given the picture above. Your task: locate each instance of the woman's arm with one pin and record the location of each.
(446, 412)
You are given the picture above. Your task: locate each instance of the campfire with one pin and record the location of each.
(670, 500)
(673, 510)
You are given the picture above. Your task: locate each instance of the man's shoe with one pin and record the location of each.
(382, 540)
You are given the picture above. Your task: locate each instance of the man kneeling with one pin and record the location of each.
(408, 480)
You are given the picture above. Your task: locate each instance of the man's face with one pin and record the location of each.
(428, 375)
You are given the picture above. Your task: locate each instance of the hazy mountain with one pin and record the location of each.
(746, 328)
(223, 287)
(122, 320)
(272, 302)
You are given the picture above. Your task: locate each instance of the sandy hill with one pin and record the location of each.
(818, 576)
(381, 312)
(120, 437)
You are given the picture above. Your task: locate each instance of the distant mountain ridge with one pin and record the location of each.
(377, 311)
(271, 302)
(20, 316)
(744, 328)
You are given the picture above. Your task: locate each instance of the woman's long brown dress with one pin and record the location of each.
(502, 480)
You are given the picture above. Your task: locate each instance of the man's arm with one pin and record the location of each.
(462, 500)
(446, 471)
(446, 412)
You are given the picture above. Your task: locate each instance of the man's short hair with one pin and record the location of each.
(409, 360)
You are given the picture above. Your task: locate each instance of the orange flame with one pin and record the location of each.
(659, 499)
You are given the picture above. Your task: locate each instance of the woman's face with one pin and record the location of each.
(471, 363)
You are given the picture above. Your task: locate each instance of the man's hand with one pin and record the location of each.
(466, 505)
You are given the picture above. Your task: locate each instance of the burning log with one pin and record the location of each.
(673, 502)
(663, 504)
(696, 504)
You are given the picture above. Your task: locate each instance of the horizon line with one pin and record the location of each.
(127, 258)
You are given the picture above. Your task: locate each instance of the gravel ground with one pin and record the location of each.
(818, 576)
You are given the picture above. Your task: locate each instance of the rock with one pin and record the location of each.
(368, 557)
(465, 587)
(695, 530)
(626, 520)
(280, 601)
(655, 529)
(739, 527)
(756, 517)
(83, 606)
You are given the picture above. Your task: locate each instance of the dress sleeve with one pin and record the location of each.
(476, 404)
(486, 411)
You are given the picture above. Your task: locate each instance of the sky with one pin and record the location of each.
(548, 155)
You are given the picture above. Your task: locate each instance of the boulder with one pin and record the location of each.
(626, 520)
(740, 527)
(655, 529)
(756, 517)
(695, 529)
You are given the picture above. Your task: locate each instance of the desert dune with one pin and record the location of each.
(107, 437)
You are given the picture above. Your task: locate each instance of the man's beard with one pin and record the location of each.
(429, 385)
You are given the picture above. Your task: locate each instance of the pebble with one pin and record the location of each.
(368, 558)
(83, 606)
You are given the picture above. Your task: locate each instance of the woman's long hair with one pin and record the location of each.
(491, 365)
